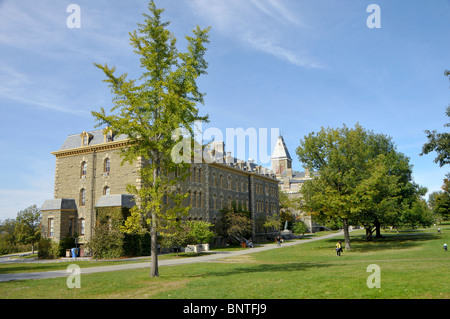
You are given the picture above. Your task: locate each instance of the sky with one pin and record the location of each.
(291, 65)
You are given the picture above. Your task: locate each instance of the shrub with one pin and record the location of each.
(106, 243)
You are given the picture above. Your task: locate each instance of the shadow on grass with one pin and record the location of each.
(263, 268)
(387, 242)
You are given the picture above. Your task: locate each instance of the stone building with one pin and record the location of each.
(291, 181)
(89, 174)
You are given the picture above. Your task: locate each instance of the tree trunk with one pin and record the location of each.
(154, 272)
(369, 234)
(378, 229)
(346, 235)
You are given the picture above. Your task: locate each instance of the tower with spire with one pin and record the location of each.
(281, 160)
(290, 181)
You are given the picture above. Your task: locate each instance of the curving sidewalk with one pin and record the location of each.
(169, 262)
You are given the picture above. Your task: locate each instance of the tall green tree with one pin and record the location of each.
(439, 142)
(341, 156)
(28, 230)
(356, 181)
(149, 109)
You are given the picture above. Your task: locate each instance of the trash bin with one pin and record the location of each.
(74, 252)
(67, 252)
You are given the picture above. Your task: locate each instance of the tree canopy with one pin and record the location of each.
(149, 109)
(362, 178)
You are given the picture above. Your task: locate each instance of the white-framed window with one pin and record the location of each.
(51, 224)
(82, 197)
(107, 166)
(82, 226)
(83, 169)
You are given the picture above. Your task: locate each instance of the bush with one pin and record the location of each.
(45, 248)
(136, 245)
(106, 243)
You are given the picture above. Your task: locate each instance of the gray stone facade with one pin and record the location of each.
(89, 173)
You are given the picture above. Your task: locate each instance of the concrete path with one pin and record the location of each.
(169, 262)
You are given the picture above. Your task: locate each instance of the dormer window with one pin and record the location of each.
(108, 135)
(85, 138)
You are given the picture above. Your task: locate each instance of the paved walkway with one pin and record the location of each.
(168, 262)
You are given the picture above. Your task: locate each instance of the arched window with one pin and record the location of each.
(82, 197)
(83, 169)
(82, 226)
(107, 166)
(106, 190)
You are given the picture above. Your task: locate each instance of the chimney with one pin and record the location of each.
(307, 173)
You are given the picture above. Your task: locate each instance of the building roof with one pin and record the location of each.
(120, 200)
(96, 137)
(59, 204)
(280, 150)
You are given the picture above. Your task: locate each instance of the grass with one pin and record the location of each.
(413, 265)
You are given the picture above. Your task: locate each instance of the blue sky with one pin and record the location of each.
(288, 64)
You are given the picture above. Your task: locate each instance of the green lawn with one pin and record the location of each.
(413, 265)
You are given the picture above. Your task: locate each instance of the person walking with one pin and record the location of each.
(338, 248)
(445, 247)
(439, 230)
(278, 241)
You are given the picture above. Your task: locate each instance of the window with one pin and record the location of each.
(85, 139)
(82, 226)
(83, 169)
(51, 223)
(71, 227)
(200, 202)
(194, 202)
(107, 166)
(82, 197)
(106, 191)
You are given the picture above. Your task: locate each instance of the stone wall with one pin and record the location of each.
(70, 181)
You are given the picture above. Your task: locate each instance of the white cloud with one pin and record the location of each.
(19, 87)
(263, 25)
